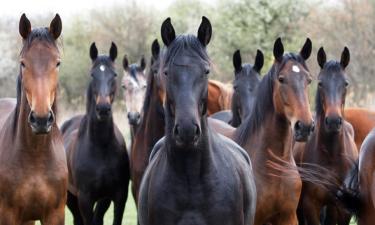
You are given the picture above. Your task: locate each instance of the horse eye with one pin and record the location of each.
(115, 74)
(23, 64)
(58, 64)
(320, 84)
(309, 80)
(165, 73)
(144, 86)
(207, 72)
(281, 79)
(346, 83)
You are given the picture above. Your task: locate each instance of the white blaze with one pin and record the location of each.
(296, 69)
(102, 68)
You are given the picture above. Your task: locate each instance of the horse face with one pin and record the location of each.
(134, 84)
(186, 83)
(290, 92)
(332, 87)
(245, 84)
(103, 83)
(40, 63)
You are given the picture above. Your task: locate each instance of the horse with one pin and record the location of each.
(195, 175)
(151, 127)
(246, 81)
(33, 171)
(331, 145)
(134, 84)
(280, 114)
(219, 96)
(98, 163)
(362, 120)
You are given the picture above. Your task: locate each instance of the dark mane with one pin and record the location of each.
(183, 43)
(133, 71)
(330, 67)
(263, 104)
(39, 34)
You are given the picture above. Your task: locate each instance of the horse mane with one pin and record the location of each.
(133, 71)
(263, 105)
(330, 67)
(183, 43)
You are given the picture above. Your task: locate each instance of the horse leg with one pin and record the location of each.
(86, 207)
(343, 217)
(119, 206)
(100, 209)
(72, 203)
(29, 223)
(311, 210)
(55, 217)
(330, 215)
(300, 216)
(289, 218)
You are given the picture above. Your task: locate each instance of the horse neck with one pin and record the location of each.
(194, 162)
(333, 143)
(99, 131)
(24, 139)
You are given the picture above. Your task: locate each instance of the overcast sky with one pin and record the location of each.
(14, 8)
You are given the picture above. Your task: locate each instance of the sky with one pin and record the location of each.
(14, 8)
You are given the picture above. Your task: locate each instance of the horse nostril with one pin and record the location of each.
(298, 125)
(197, 130)
(51, 117)
(32, 118)
(176, 130)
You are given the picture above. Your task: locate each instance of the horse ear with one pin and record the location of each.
(278, 50)
(125, 62)
(345, 57)
(93, 51)
(322, 58)
(306, 49)
(24, 26)
(55, 27)
(259, 61)
(113, 52)
(143, 63)
(237, 61)
(205, 31)
(167, 32)
(155, 49)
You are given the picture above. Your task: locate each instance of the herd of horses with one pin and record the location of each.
(200, 153)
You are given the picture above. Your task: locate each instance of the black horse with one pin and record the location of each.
(246, 81)
(195, 175)
(96, 152)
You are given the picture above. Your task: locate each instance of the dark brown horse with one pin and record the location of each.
(331, 145)
(281, 114)
(195, 175)
(246, 81)
(97, 158)
(151, 127)
(33, 172)
(362, 120)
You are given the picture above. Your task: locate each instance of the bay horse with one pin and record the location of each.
(280, 114)
(33, 171)
(96, 152)
(331, 145)
(151, 127)
(362, 120)
(134, 84)
(246, 81)
(195, 175)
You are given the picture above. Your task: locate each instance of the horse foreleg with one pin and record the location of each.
(55, 217)
(100, 209)
(311, 211)
(119, 206)
(72, 203)
(288, 218)
(86, 206)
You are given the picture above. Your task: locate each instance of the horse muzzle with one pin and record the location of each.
(41, 125)
(302, 131)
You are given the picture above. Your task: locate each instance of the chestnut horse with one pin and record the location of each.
(151, 127)
(362, 120)
(33, 171)
(195, 176)
(280, 114)
(219, 97)
(331, 145)
(246, 81)
(134, 84)
(96, 152)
